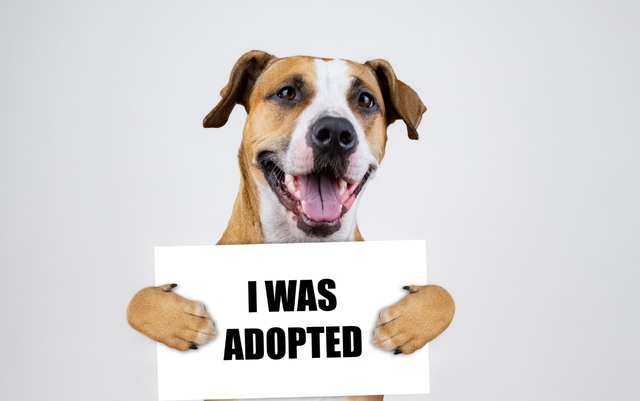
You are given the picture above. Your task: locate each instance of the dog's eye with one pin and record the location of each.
(287, 93)
(366, 100)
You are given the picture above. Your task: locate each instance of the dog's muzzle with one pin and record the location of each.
(333, 140)
(316, 202)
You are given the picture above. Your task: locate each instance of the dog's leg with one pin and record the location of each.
(415, 320)
(170, 319)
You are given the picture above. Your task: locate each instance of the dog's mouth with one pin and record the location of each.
(315, 202)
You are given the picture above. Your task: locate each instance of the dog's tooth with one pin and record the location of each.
(297, 194)
(289, 181)
(342, 184)
(288, 178)
(304, 207)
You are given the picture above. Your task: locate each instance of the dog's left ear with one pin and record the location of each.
(243, 76)
(401, 102)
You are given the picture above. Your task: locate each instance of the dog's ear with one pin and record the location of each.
(401, 102)
(237, 91)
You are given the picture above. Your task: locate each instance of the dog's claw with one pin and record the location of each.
(168, 287)
(397, 351)
(411, 288)
(193, 346)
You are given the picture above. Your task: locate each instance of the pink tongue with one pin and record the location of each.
(321, 195)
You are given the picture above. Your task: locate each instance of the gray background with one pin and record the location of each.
(524, 182)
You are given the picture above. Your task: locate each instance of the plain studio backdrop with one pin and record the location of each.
(524, 181)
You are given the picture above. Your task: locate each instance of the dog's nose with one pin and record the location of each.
(333, 134)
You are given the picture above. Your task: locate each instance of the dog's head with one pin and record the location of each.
(316, 132)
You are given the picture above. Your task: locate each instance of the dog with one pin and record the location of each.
(315, 135)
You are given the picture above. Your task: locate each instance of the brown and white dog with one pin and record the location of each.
(315, 134)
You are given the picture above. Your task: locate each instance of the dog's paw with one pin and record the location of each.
(415, 320)
(170, 319)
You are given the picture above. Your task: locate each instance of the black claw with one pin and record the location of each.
(396, 352)
(411, 290)
(174, 285)
(193, 346)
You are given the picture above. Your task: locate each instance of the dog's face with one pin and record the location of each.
(315, 134)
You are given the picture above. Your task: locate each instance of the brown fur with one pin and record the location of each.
(404, 327)
(244, 226)
(376, 128)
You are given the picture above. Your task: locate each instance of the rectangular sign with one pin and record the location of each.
(293, 320)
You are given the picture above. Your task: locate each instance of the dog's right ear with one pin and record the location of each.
(243, 77)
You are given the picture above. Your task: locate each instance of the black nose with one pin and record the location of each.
(333, 135)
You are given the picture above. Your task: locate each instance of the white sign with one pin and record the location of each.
(293, 320)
